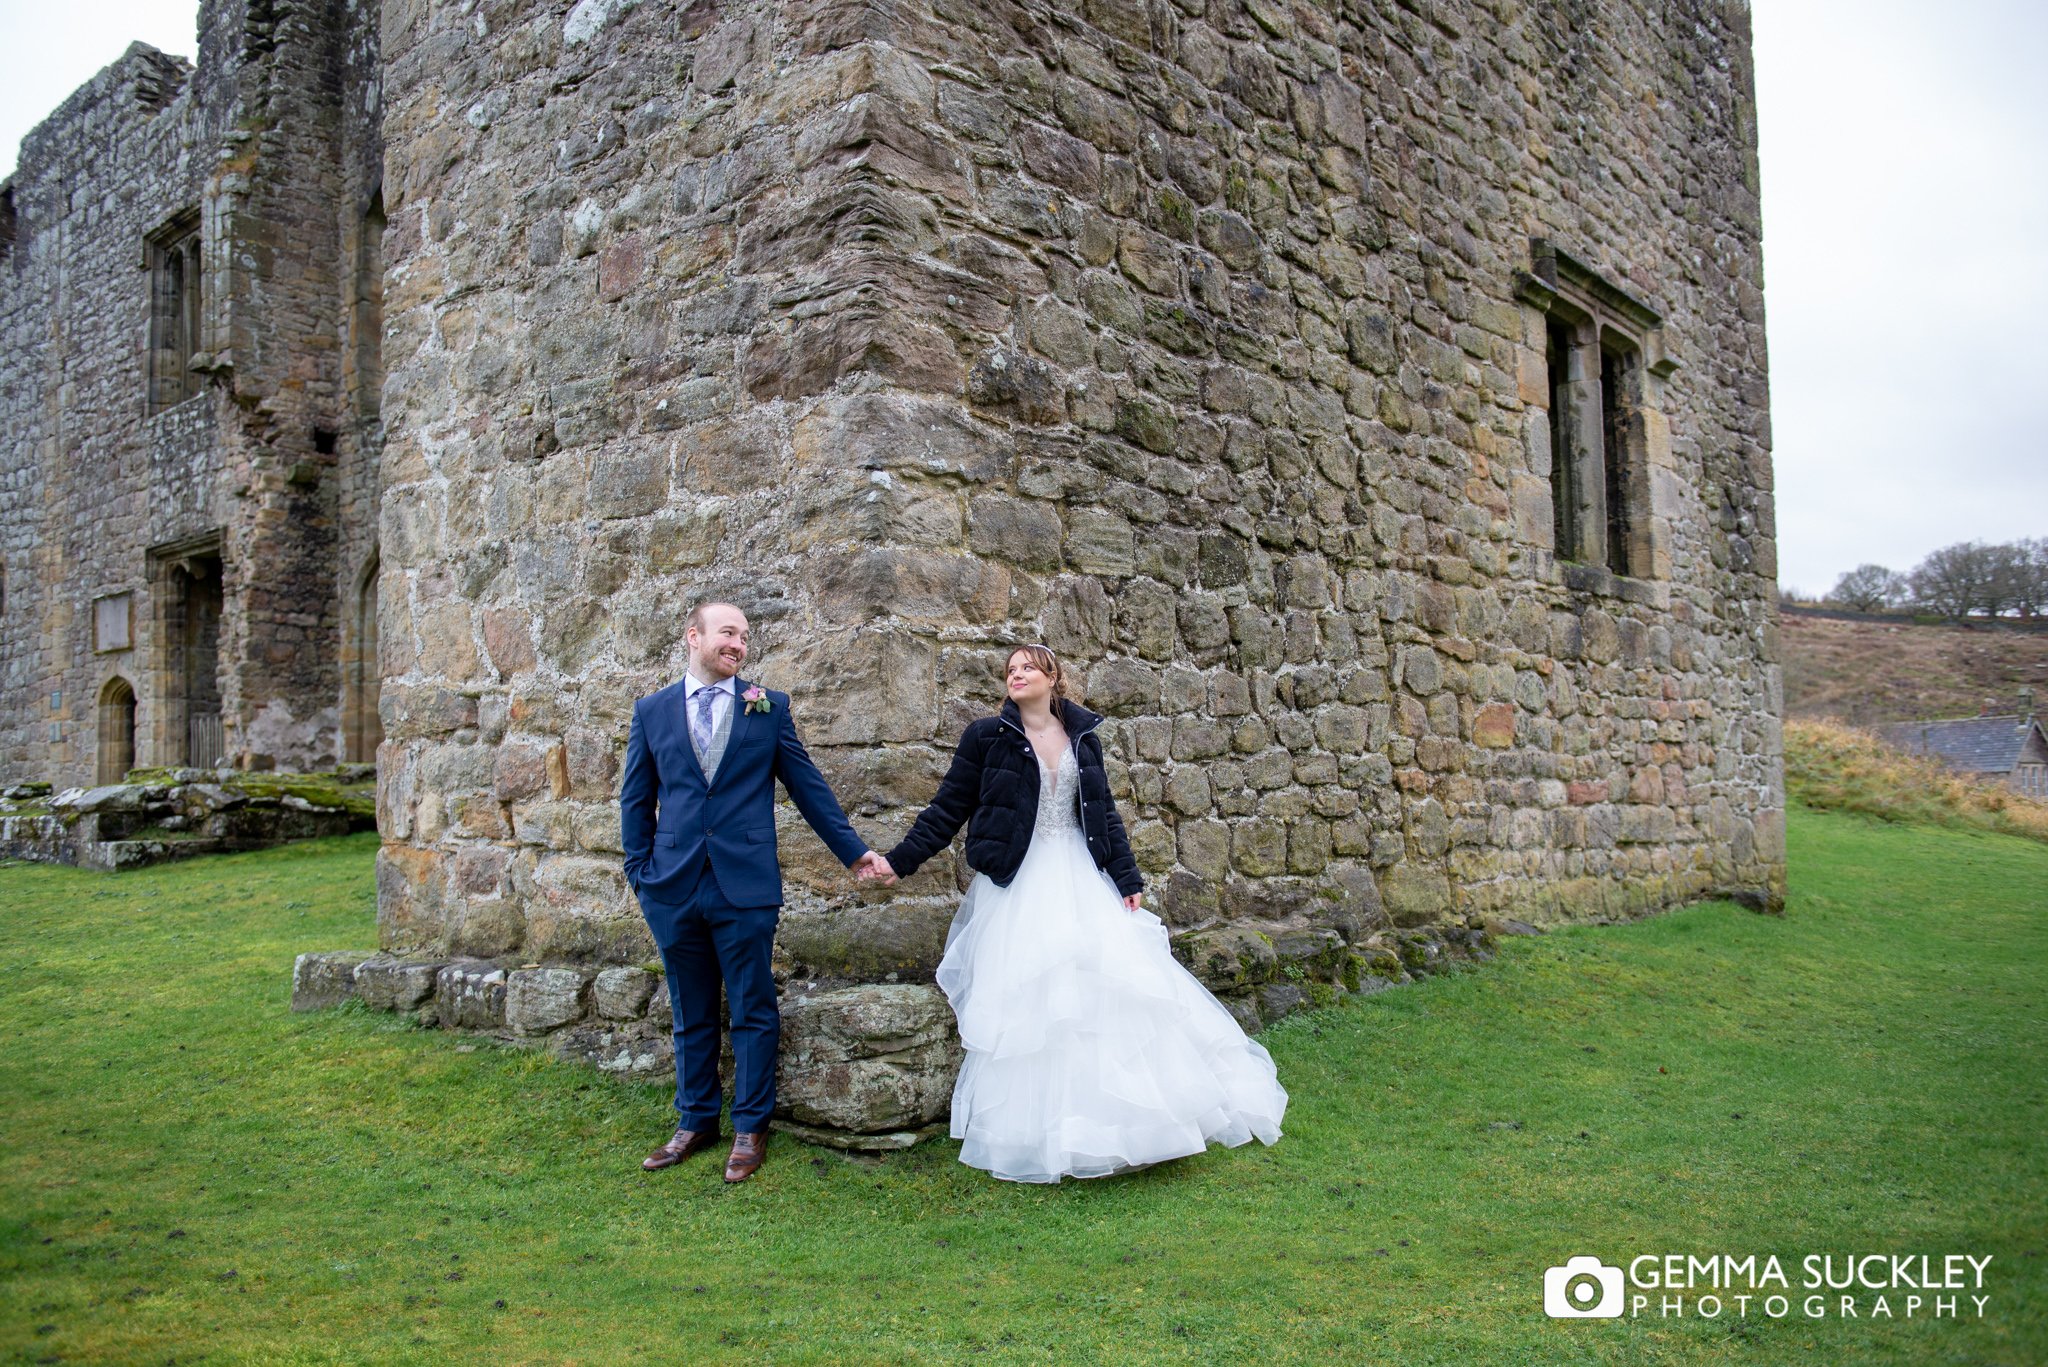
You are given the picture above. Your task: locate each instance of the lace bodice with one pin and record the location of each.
(1058, 809)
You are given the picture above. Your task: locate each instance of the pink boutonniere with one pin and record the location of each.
(757, 699)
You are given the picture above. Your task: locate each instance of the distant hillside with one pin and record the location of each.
(1865, 671)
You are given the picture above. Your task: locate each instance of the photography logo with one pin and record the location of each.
(1584, 1288)
(1850, 1286)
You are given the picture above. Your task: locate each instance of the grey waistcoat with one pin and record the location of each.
(720, 734)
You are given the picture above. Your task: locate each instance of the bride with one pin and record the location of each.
(1090, 1050)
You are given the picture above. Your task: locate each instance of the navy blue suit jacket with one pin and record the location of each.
(669, 819)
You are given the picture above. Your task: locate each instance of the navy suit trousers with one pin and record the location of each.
(702, 940)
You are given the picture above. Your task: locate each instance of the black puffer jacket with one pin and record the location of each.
(994, 781)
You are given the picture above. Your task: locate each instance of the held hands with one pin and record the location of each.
(873, 868)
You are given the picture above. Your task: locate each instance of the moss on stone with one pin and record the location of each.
(330, 789)
(322, 790)
(1176, 215)
(1375, 962)
(1237, 187)
(157, 834)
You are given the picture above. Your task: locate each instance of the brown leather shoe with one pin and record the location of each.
(747, 1152)
(680, 1146)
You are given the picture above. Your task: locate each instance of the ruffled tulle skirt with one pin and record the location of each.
(1090, 1050)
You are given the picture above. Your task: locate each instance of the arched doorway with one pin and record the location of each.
(362, 730)
(116, 730)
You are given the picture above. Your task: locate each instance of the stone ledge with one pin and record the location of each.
(1597, 581)
(165, 814)
(859, 1143)
(388, 984)
(862, 1067)
(865, 1066)
(321, 980)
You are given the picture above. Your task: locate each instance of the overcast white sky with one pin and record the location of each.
(1905, 248)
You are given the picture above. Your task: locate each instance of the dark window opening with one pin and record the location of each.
(1564, 496)
(1616, 457)
(7, 223)
(323, 441)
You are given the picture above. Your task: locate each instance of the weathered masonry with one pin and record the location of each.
(1369, 400)
(190, 286)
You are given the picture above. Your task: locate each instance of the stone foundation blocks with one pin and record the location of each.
(538, 1000)
(320, 980)
(469, 994)
(385, 983)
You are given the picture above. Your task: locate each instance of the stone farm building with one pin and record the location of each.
(2010, 749)
(1369, 400)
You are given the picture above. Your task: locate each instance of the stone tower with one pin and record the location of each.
(189, 434)
(1369, 400)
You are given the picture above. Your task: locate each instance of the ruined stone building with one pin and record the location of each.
(189, 286)
(1368, 400)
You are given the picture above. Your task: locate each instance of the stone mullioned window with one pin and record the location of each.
(1604, 359)
(172, 257)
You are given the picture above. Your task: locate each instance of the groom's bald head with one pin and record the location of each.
(696, 619)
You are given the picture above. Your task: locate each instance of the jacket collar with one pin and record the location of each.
(1077, 720)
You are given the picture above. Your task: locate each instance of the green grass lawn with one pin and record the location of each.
(189, 1172)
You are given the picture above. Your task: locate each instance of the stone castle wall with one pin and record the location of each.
(1203, 341)
(272, 141)
(85, 481)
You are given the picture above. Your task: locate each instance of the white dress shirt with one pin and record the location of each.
(721, 700)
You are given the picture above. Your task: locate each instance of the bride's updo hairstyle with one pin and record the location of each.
(1047, 663)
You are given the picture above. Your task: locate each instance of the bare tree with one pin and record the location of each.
(2006, 588)
(1956, 580)
(2033, 576)
(1869, 588)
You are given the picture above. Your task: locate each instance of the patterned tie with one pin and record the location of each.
(701, 725)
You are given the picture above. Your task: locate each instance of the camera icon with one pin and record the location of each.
(1583, 1289)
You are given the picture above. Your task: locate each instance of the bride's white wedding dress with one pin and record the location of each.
(1090, 1050)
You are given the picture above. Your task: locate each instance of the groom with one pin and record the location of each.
(697, 822)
